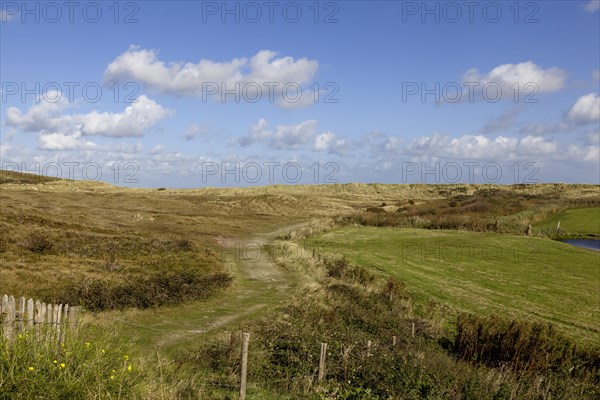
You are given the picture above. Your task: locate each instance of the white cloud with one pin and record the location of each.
(587, 154)
(4, 149)
(257, 133)
(194, 79)
(481, 147)
(158, 149)
(592, 138)
(586, 109)
(329, 142)
(195, 130)
(38, 117)
(47, 118)
(290, 137)
(10, 134)
(306, 98)
(60, 141)
(393, 143)
(284, 137)
(592, 6)
(264, 67)
(527, 76)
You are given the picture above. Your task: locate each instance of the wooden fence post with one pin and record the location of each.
(393, 340)
(322, 361)
(413, 330)
(6, 319)
(245, 341)
(51, 313)
(59, 311)
(72, 317)
(9, 311)
(40, 317)
(30, 313)
(21, 316)
(369, 348)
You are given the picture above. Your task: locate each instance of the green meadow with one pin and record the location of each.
(514, 276)
(576, 221)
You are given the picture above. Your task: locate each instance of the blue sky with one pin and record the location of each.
(360, 70)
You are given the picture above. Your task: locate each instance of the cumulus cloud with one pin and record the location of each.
(4, 149)
(158, 149)
(195, 130)
(586, 109)
(67, 130)
(528, 77)
(393, 143)
(304, 99)
(284, 137)
(264, 67)
(61, 141)
(257, 77)
(592, 6)
(372, 140)
(291, 137)
(587, 154)
(481, 147)
(329, 142)
(257, 133)
(9, 134)
(592, 138)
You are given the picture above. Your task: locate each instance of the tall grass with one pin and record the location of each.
(88, 365)
(522, 346)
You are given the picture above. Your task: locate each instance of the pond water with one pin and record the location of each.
(585, 243)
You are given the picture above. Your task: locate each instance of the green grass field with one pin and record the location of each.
(514, 276)
(579, 221)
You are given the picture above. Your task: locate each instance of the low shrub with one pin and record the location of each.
(37, 242)
(143, 290)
